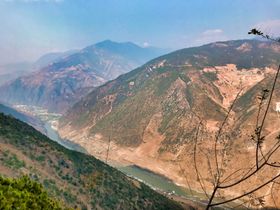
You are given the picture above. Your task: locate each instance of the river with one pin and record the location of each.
(53, 135)
(153, 180)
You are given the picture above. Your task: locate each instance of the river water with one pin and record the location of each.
(53, 135)
(153, 180)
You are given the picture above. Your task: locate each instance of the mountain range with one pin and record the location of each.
(149, 116)
(72, 75)
(153, 117)
(12, 71)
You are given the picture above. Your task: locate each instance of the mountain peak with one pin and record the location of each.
(112, 44)
(106, 41)
(78, 74)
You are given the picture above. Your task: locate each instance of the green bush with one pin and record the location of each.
(11, 161)
(23, 193)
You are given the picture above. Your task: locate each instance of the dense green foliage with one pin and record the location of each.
(25, 194)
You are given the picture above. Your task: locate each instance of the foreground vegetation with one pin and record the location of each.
(23, 193)
(77, 179)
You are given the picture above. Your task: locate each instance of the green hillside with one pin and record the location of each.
(79, 180)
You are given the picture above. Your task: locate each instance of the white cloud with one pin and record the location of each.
(271, 27)
(146, 44)
(210, 35)
(212, 32)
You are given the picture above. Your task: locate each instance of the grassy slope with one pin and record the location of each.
(78, 179)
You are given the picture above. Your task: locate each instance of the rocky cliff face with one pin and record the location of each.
(63, 82)
(151, 115)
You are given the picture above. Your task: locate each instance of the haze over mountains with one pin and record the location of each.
(71, 75)
(151, 114)
(12, 71)
(50, 58)
(108, 118)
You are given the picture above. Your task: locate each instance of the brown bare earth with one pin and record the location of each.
(168, 164)
(154, 123)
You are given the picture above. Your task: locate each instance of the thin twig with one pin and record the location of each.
(265, 114)
(219, 134)
(245, 194)
(195, 163)
(188, 183)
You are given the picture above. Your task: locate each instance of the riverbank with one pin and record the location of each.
(156, 181)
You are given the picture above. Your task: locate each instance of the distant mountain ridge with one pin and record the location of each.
(62, 83)
(12, 71)
(50, 58)
(131, 50)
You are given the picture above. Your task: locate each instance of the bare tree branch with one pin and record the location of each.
(245, 194)
(201, 183)
(261, 161)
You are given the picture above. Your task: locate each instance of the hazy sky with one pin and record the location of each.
(30, 28)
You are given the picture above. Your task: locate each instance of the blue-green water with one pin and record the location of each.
(154, 180)
(52, 134)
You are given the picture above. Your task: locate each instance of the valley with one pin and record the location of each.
(49, 121)
(79, 180)
(139, 105)
(149, 116)
(155, 181)
(144, 123)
